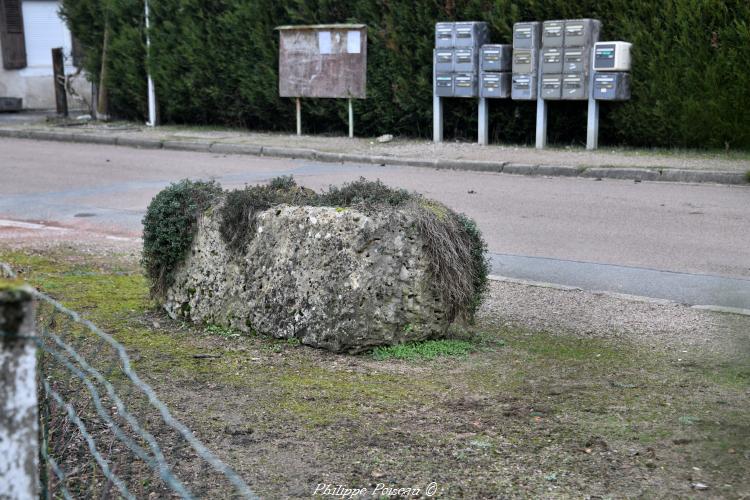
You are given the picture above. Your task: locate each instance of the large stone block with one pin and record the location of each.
(333, 278)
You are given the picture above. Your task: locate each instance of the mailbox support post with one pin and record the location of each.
(437, 119)
(484, 121)
(298, 103)
(437, 108)
(541, 113)
(592, 126)
(351, 120)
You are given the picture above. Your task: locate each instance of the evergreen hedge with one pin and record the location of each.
(217, 63)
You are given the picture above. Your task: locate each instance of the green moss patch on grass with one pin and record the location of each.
(429, 349)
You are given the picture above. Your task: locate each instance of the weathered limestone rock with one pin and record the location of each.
(333, 278)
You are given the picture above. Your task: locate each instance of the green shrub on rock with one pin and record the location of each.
(169, 226)
(239, 208)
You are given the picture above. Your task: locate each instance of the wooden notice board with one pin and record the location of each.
(325, 60)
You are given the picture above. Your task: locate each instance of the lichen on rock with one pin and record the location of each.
(340, 280)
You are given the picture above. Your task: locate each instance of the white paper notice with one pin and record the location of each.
(353, 42)
(324, 42)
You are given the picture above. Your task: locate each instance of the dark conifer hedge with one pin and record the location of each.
(215, 62)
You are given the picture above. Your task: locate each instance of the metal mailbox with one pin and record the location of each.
(576, 60)
(553, 33)
(525, 61)
(470, 34)
(495, 85)
(523, 87)
(552, 87)
(444, 60)
(526, 35)
(444, 35)
(465, 85)
(444, 84)
(552, 60)
(575, 87)
(496, 57)
(612, 56)
(612, 86)
(582, 32)
(465, 60)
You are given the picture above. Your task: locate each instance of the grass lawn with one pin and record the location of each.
(489, 413)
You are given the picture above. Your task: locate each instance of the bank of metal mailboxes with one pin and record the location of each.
(527, 35)
(444, 35)
(612, 86)
(581, 32)
(470, 34)
(525, 61)
(575, 87)
(576, 60)
(523, 87)
(612, 56)
(465, 60)
(444, 84)
(552, 87)
(494, 85)
(495, 57)
(465, 85)
(444, 60)
(553, 33)
(552, 60)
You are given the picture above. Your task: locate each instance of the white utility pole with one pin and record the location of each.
(151, 91)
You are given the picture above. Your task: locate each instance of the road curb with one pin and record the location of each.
(200, 147)
(620, 173)
(723, 310)
(134, 142)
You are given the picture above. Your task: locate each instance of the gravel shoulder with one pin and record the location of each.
(654, 324)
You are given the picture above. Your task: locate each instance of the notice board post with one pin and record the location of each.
(323, 61)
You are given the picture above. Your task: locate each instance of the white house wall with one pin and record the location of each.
(43, 31)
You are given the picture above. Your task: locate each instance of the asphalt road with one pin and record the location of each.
(632, 228)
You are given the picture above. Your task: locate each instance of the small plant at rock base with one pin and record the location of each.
(221, 331)
(747, 176)
(169, 226)
(429, 349)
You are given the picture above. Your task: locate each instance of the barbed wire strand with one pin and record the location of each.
(73, 417)
(159, 463)
(163, 467)
(60, 475)
(194, 442)
(178, 426)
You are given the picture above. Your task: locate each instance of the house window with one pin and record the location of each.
(44, 30)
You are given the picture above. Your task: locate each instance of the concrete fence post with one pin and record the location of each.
(19, 423)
